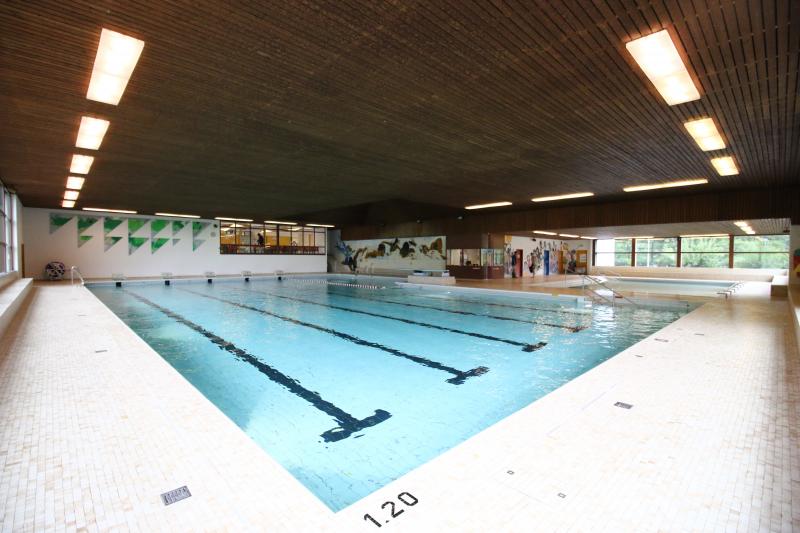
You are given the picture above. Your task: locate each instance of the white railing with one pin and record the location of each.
(73, 271)
(614, 294)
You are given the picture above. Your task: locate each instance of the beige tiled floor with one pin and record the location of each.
(89, 439)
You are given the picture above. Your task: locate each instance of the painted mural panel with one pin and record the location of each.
(385, 255)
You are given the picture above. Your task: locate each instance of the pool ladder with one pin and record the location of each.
(596, 295)
(73, 271)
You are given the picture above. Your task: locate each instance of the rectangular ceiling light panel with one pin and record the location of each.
(75, 183)
(116, 58)
(91, 133)
(562, 197)
(681, 183)
(725, 166)
(81, 164)
(68, 204)
(71, 195)
(484, 206)
(279, 222)
(127, 211)
(177, 215)
(705, 134)
(659, 59)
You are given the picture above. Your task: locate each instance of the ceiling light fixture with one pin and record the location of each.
(234, 219)
(81, 164)
(562, 197)
(659, 59)
(705, 134)
(177, 215)
(680, 183)
(321, 225)
(590, 238)
(91, 133)
(116, 58)
(640, 237)
(741, 223)
(71, 195)
(705, 235)
(725, 166)
(279, 222)
(109, 210)
(484, 206)
(568, 235)
(540, 232)
(68, 203)
(75, 183)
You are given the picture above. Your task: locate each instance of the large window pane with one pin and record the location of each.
(657, 252)
(704, 260)
(761, 243)
(765, 260)
(705, 244)
(612, 252)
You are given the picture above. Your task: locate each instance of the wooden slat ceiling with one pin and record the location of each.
(275, 109)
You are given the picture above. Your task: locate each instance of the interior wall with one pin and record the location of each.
(533, 252)
(100, 251)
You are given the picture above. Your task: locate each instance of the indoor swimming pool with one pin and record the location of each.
(350, 387)
(683, 287)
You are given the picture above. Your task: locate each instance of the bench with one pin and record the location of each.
(12, 296)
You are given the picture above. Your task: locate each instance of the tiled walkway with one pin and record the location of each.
(94, 426)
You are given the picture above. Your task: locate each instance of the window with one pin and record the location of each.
(761, 251)
(612, 252)
(8, 230)
(657, 252)
(239, 238)
(707, 252)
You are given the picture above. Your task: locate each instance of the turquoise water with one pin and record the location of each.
(350, 388)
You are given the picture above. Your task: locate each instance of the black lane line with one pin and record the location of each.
(459, 375)
(526, 347)
(348, 424)
(573, 329)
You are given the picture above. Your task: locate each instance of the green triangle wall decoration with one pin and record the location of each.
(83, 239)
(85, 223)
(177, 226)
(57, 220)
(197, 243)
(110, 241)
(110, 224)
(175, 241)
(155, 244)
(134, 243)
(198, 227)
(157, 225)
(135, 224)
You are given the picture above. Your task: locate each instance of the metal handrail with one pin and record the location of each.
(603, 284)
(72, 271)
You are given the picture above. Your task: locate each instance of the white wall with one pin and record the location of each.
(42, 246)
(536, 246)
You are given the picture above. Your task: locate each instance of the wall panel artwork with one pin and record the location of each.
(386, 255)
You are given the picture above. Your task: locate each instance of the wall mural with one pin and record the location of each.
(425, 253)
(796, 262)
(135, 225)
(533, 261)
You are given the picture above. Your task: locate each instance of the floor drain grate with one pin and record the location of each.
(623, 405)
(562, 495)
(662, 340)
(175, 495)
(100, 351)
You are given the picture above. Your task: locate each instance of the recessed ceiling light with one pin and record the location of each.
(706, 235)
(234, 219)
(725, 166)
(75, 183)
(109, 210)
(176, 215)
(321, 225)
(640, 237)
(81, 164)
(662, 64)
(484, 206)
(71, 195)
(540, 232)
(68, 203)
(705, 134)
(116, 58)
(568, 235)
(741, 223)
(279, 222)
(590, 238)
(91, 133)
(681, 183)
(562, 197)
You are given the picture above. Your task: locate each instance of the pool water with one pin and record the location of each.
(685, 287)
(350, 388)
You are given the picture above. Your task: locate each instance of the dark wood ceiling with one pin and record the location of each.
(275, 109)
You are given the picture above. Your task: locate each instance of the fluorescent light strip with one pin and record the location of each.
(71, 195)
(91, 133)
(681, 183)
(177, 215)
(116, 58)
(741, 223)
(705, 235)
(562, 197)
(234, 219)
(705, 134)
(568, 235)
(540, 232)
(81, 164)
(109, 210)
(321, 225)
(640, 237)
(279, 222)
(68, 203)
(725, 166)
(484, 206)
(658, 58)
(75, 183)
(590, 238)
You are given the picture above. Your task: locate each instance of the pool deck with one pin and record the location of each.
(94, 426)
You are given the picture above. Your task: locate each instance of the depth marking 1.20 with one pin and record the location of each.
(404, 497)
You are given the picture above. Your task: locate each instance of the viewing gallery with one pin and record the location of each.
(469, 266)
